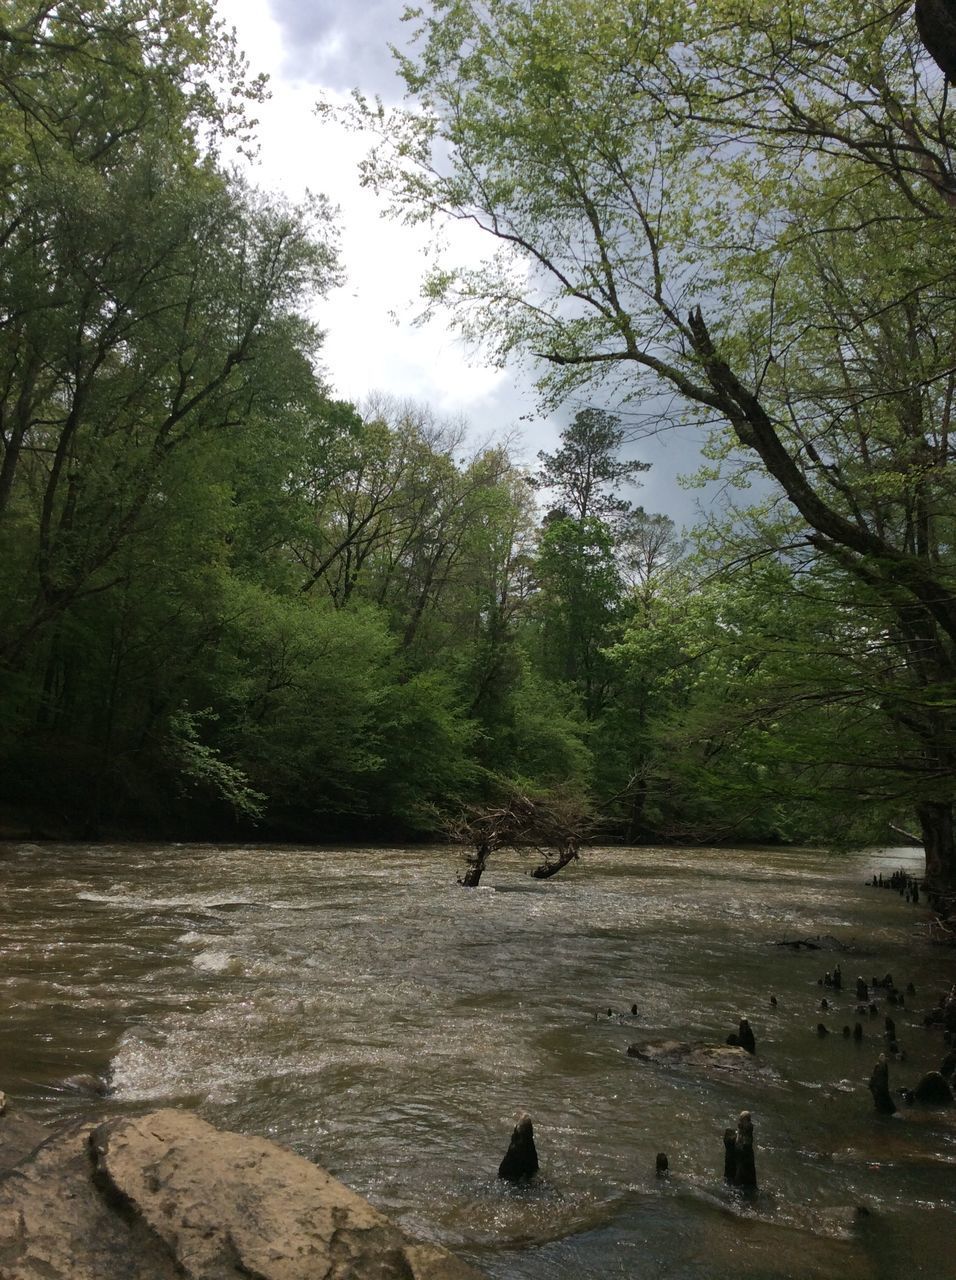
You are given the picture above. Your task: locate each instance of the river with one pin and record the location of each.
(358, 1006)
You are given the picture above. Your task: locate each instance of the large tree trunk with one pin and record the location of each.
(476, 865)
(936, 24)
(939, 842)
(635, 821)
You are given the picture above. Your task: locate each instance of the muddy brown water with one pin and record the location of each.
(359, 1006)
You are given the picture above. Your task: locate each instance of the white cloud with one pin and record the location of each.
(371, 342)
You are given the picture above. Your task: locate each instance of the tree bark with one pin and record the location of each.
(547, 869)
(939, 842)
(635, 824)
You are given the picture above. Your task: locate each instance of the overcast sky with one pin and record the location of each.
(327, 47)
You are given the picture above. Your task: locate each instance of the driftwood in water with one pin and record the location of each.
(819, 942)
(551, 866)
(911, 836)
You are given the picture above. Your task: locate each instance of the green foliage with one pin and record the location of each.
(748, 206)
(229, 599)
(759, 706)
(200, 766)
(586, 471)
(580, 589)
(548, 742)
(415, 789)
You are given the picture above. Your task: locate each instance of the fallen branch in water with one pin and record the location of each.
(555, 825)
(909, 835)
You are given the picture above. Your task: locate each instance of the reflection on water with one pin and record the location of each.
(359, 1006)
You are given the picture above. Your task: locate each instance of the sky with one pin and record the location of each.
(325, 48)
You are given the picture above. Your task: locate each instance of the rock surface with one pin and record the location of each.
(19, 1136)
(701, 1057)
(933, 1090)
(166, 1195)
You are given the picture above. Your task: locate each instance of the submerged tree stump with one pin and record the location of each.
(880, 1088)
(743, 1036)
(475, 865)
(520, 1162)
(740, 1168)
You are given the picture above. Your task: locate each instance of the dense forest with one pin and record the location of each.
(232, 604)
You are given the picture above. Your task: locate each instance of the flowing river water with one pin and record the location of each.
(360, 1007)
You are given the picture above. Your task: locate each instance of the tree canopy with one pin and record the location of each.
(749, 207)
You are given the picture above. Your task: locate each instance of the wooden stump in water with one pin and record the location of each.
(521, 1158)
(730, 1156)
(743, 1036)
(744, 1148)
(880, 1088)
(739, 1163)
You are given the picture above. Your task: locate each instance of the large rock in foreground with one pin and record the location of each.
(166, 1195)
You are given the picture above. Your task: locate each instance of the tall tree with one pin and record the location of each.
(581, 551)
(587, 471)
(148, 292)
(153, 318)
(580, 591)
